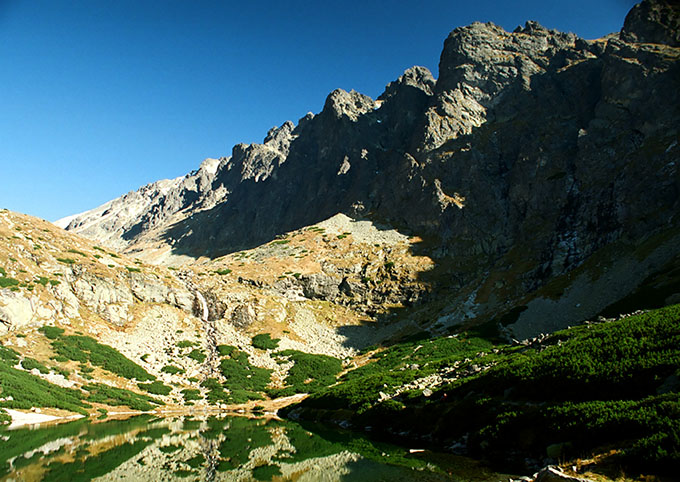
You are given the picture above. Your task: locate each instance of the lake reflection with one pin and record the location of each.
(214, 448)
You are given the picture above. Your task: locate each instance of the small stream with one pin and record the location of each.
(210, 365)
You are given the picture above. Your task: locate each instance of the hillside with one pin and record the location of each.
(316, 291)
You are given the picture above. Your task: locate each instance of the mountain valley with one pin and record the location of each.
(486, 264)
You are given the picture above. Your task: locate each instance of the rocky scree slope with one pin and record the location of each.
(311, 298)
(541, 169)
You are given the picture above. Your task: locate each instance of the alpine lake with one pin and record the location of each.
(216, 447)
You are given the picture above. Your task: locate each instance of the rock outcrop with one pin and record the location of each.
(136, 213)
(542, 169)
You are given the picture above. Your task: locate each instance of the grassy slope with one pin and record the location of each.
(23, 390)
(583, 390)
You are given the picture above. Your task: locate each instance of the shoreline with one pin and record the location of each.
(51, 416)
(22, 418)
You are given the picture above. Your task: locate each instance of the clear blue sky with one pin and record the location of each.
(100, 97)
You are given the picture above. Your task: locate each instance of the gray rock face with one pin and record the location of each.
(15, 311)
(112, 298)
(243, 316)
(477, 65)
(654, 21)
(116, 223)
(542, 163)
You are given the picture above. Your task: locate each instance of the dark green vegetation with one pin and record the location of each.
(29, 364)
(117, 397)
(171, 369)
(225, 350)
(581, 391)
(5, 281)
(240, 374)
(243, 381)
(309, 374)
(66, 260)
(264, 341)
(223, 271)
(197, 355)
(190, 394)
(85, 349)
(156, 388)
(75, 251)
(396, 366)
(27, 390)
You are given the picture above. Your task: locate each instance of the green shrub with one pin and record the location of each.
(51, 332)
(264, 341)
(266, 472)
(5, 418)
(310, 372)
(241, 375)
(8, 355)
(156, 388)
(42, 281)
(216, 391)
(66, 260)
(191, 394)
(6, 282)
(27, 390)
(99, 393)
(596, 386)
(225, 350)
(185, 344)
(197, 355)
(84, 348)
(223, 271)
(132, 269)
(75, 251)
(29, 364)
(171, 369)
(61, 371)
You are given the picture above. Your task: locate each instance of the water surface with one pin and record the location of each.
(216, 448)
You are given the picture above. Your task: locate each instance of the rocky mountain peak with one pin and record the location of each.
(653, 21)
(279, 138)
(416, 77)
(341, 103)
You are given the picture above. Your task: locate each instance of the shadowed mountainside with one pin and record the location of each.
(540, 167)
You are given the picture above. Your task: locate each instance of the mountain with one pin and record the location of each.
(412, 263)
(540, 168)
(65, 300)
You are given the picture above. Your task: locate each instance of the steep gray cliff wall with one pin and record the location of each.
(541, 169)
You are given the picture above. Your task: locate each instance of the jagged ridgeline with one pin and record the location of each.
(410, 264)
(539, 167)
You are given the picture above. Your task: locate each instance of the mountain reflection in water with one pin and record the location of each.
(215, 448)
